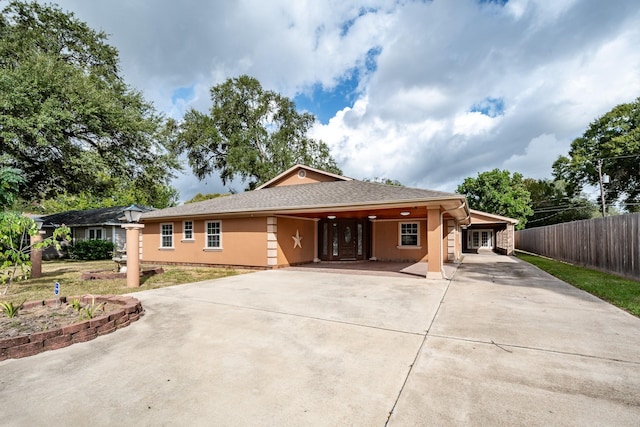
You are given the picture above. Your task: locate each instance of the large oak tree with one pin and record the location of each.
(498, 192)
(553, 205)
(68, 121)
(249, 133)
(611, 143)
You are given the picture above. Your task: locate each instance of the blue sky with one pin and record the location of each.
(424, 92)
(491, 107)
(325, 102)
(183, 94)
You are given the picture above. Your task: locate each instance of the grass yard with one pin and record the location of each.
(67, 273)
(623, 293)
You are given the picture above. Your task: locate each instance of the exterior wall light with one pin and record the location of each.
(372, 217)
(133, 213)
(38, 220)
(331, 216)
(405, 213)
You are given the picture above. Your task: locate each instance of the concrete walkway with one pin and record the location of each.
(500, 344)
(512, 345)
(377, 268)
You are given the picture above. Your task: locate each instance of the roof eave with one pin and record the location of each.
(338, 207)
(494, 216)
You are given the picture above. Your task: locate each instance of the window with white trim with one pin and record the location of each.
(95, 234)
(214, 234)
(409, 234)
(166, 235)
(187, 230)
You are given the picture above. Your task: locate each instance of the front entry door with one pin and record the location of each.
(347, 238)
(343, 239)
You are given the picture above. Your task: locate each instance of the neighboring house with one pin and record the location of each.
(91, 224)
(489, 232)
(307, 215)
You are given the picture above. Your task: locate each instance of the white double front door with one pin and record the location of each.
(480, 239)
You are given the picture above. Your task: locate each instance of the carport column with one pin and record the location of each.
(36, 255)
(451, 241)
(272, 241)
(373, 240)
(510, 246)
(133, 253)
(434, 243)
(315, 240)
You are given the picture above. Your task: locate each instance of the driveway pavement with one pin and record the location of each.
(500, 344)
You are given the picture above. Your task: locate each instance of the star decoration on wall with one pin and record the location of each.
(296, 240)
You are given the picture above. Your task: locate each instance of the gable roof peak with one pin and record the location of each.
(299, 167)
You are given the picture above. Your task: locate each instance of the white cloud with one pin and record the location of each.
(538, 157)
(553, 77)
(473, 123)
(555, 65)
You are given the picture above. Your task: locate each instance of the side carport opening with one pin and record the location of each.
(489, 232)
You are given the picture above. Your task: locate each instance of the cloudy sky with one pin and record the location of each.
(424, 92)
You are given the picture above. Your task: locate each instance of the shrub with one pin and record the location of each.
(90, 250)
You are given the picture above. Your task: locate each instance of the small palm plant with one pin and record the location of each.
(75, 304)
(91, 311)
(9, 309)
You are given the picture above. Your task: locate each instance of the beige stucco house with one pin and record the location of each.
(307, 215)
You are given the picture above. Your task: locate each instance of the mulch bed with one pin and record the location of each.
(45, 318)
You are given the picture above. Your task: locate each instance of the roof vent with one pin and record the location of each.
(302, 174)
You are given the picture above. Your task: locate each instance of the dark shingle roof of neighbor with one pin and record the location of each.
(100, 216)
(304, 196)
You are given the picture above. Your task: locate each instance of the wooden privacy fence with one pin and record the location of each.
(610, 244)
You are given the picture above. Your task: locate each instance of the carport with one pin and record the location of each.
(488, 232)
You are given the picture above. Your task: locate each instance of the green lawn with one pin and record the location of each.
(68, 273)
(620, 292)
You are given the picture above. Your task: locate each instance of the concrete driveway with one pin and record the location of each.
(500, 344)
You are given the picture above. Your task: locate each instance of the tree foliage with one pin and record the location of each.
(15, 246)
(613, 140)
(68, 121)
(158, 197)
(200, 197)
(385, 181)
(250, 133)
(10, 181)
(498, 192)
(552, 205)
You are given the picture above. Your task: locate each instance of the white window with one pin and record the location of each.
(480, 239)
(214, 235)
(187, 230)
(95, 234)
(409, 234)
(166, 235)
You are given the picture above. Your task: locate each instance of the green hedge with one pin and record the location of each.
(90, 250)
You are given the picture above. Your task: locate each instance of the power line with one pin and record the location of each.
(565, 208)
(620, 157)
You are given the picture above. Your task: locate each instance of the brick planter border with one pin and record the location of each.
(98, 275)
(28, 345)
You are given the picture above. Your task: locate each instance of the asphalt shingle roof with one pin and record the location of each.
(98, 216)
(304, 196)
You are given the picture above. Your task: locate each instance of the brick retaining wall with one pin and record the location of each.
(28, 345)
